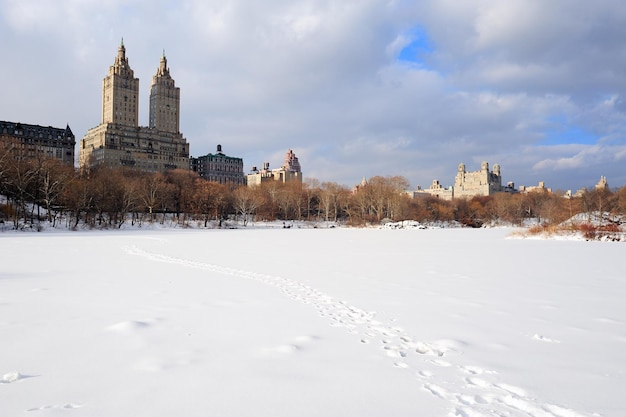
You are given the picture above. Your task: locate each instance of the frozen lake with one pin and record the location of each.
(310, 322)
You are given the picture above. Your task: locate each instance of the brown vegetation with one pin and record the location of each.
(44, 190)
(589, 231)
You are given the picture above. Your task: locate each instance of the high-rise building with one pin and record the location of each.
(164, 100)
(119, 140)
(120, 92)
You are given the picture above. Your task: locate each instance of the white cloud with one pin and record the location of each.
(589, 155)
(322, 78)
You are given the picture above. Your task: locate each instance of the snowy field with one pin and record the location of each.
(316, 322)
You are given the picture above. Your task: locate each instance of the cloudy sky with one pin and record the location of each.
(355, 88)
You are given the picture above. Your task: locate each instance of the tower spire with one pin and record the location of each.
(121, 54)
(163, 70)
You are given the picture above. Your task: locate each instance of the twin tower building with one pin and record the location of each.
(119, 140)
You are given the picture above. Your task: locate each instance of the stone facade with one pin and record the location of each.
(219, 168)
(602, 184)
(25, 141)
(164, 100)
(290, 171)
(436, 190)
(119, 140)
(540, 188)
(477, 183)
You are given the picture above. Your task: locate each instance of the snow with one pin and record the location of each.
(310, 322)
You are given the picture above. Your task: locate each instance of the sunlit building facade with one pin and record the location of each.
(119, 140)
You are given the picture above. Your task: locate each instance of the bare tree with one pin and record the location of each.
(151, 192)
(127, 199)
(21, 179)
(222, 203)
(296, 189)
(210, 200)
(396, 196)
(267, 195)
(5, 159)
(620, 207)
(332, 198)
(311, 191)
(289, 200)
(381, 197)
(54, 178)
(360, 209)
(77, 198)
(245, 202)
(181, 190)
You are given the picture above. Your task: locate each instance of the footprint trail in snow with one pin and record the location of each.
(471, 391)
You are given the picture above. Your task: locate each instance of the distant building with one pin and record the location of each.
(219, 168)
(468, 184)
(602, 184)
(290, 171)
(477, 183)
(119, 141)
(436, 190)
(541, 188)
(579, 193)
(360, 186)
(25, 141)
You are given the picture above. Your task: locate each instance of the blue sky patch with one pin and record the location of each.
(419, 46)
(569, 134)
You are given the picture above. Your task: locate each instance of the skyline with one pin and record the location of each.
(356, 89)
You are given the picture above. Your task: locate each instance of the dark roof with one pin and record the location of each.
(29, 130)
(217, 155)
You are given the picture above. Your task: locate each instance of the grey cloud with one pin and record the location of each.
(321, 77)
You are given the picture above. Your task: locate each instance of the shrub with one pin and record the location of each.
(609, 231)
(545, 228)
(610, 228)
(588, 230)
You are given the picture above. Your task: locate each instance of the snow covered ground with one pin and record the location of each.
(316, 322)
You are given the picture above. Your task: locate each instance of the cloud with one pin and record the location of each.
(356, 88)
(560, 47)
(585, 159)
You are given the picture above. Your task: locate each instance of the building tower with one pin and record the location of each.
(477, 183)
(120, 92)
(291, 162)
(291, 171)
(602, 184)
(119, 141)
(164, 100)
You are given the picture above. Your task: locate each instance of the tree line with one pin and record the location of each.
(43, 189)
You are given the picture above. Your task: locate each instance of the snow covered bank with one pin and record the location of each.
(310, 322)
